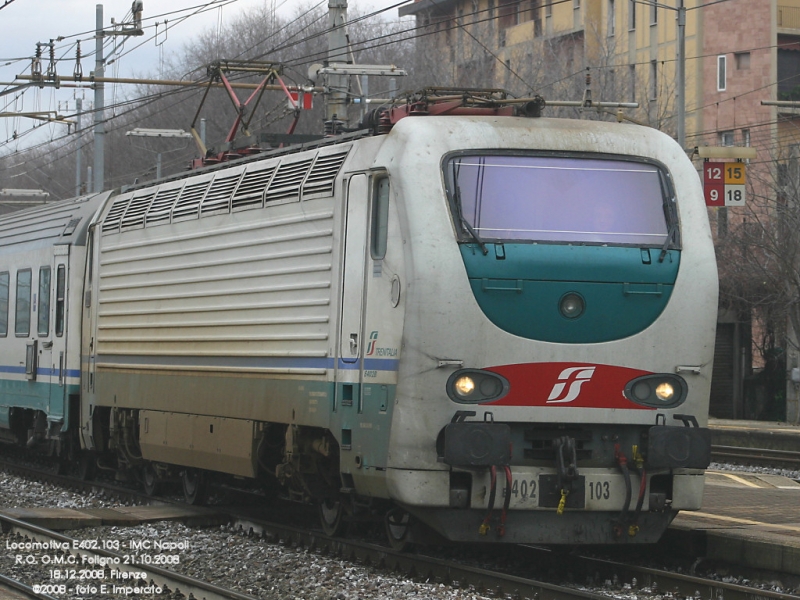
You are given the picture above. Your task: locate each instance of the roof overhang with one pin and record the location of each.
(425, 5)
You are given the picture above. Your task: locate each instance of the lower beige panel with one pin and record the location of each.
(213, 443)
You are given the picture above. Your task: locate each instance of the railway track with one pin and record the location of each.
(494, 579)
(757, 457)
(11, 589)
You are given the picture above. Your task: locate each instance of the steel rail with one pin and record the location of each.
(21, 588)
(756, 455)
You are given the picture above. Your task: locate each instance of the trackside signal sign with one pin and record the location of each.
(724, 183)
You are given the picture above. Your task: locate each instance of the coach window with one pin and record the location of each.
(22, 321)
(44, 302)
(380, 219)
(3, 304)
(61, 284)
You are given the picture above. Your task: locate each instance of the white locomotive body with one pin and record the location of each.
(496, 328)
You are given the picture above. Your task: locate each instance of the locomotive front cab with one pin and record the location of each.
(575, 408)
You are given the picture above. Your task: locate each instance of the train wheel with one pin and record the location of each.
(398, 529)
(331, 515)
(195, 490)
(150, 481)
(84, 466)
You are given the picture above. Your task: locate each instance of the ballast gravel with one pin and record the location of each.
(227, 558)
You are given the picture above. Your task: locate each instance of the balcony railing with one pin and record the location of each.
(788, 17)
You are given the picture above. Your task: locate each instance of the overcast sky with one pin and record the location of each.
(25, 22)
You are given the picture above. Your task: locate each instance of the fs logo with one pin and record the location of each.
(373, 340)
(575, 377)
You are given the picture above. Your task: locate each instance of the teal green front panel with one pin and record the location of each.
(363, 415)
(519, 288)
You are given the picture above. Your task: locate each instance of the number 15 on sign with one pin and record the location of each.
(724, 183)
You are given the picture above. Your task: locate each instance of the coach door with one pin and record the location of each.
(352, 293)
(58, 330)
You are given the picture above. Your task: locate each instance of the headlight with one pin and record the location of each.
(468, 386)
(658, 391)
(571, 305)
(464, 385)
(665, 391)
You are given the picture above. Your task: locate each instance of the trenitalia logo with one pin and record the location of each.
(575, 377)
(566, 385)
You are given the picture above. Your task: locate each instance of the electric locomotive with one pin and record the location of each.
(484, 327)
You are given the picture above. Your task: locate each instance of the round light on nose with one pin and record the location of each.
(665, 391)
(464, 385)
(571, 305)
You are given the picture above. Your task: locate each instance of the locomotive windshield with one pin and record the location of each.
(560, 199)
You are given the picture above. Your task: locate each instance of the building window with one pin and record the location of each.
(612, 18)
(653, 80)
(653, 14)
(576, 4)
(548, 8)
(722, 76)
(742, 60)
(726, 138)
(631, 14)
(509, 13)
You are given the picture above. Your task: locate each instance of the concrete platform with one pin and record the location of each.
(747, 519)
(62, 519)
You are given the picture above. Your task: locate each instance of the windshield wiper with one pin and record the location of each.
(464, 222)
(670, 235)
(474, 235)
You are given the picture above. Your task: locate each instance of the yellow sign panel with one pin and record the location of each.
(735, 173)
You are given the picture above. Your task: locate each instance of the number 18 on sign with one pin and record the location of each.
(724, 183)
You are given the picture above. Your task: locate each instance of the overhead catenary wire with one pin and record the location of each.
(370, 43)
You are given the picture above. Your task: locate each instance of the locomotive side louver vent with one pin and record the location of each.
(162, 205)
(188, 204)
(323, 174)
(228, 190)
(288, 180)
(220, 193)
(250, 193)
(137, 209)
(111, 222)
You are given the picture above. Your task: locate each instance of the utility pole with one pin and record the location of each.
(337, 53)
(681, 74)
(78, 109)
(99, 101)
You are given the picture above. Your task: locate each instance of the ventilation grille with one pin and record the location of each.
(287, 181)
(219, 195)
(111, 222)
(323, 174)
(188, 205)
(229, 190)
(250, 193)
(162, 205)
(134, 216)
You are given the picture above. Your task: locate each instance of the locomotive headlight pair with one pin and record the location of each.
(659, 391)
(473, 385)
